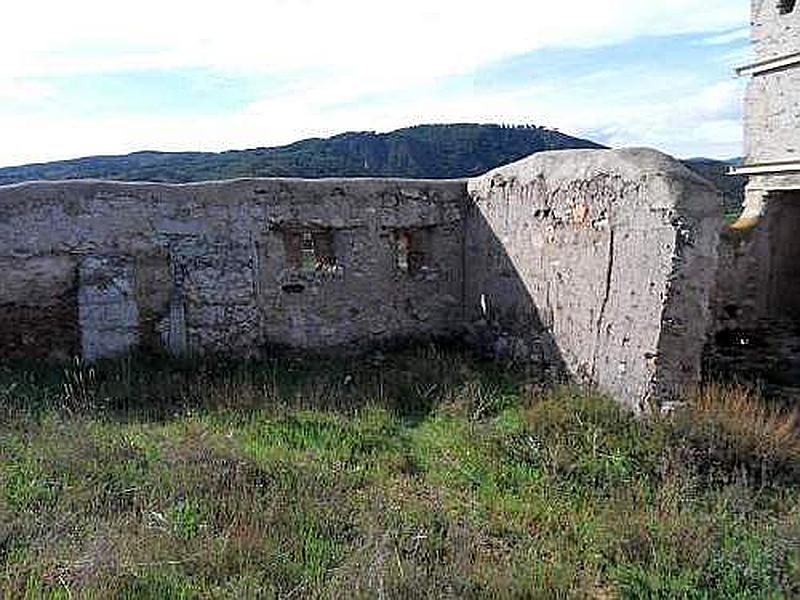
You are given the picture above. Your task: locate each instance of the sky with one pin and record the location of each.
(86, 77)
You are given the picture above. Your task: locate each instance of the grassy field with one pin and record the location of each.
(422, 474)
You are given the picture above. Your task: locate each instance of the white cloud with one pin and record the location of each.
(23, 90)
(742, 33)
(354, 48)
(366, 36)
(707, 122)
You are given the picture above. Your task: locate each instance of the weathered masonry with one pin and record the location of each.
(758, 308)
(772, 108)
(595, 264)
(101, 268)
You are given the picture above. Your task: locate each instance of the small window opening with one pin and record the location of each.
(402, 242)
(411, 250)
(308, 253)
(786, 6)
(310, 250)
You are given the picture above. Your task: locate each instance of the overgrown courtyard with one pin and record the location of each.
(424, 473)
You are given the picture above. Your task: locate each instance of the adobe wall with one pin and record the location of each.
(610, 258)
(101, 268)
(596, 265)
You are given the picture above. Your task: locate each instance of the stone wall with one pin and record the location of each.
(594, 264)
(608, 257)
(773, 96)
(38, 306)
(772, 113)
(774, 34)
(759, 273)
(108, 267)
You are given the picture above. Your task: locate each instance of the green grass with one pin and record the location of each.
(423, 474)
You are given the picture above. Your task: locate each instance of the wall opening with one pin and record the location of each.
(786, 6)
(39, 308)
(758, 304)
(783, 299)
(412, 250)
(310, 250)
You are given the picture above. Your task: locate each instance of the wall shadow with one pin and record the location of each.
(501, 318)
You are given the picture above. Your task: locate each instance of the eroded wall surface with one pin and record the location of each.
(775, 32)
(103, 268)
(609, 259)
(597, 265)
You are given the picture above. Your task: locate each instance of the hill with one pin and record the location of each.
(716, 171)
(424, 152)
(421, 152)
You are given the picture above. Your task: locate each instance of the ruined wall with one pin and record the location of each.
(593, 264)
(609, 258)
(759, 271)
(756, 306)
(232, 266)
(39, 306)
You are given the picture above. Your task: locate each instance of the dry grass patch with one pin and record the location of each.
(731, 432)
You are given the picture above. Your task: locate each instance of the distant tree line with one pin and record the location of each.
(422, 152)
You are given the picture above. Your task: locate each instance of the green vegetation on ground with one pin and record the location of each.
(424, 473)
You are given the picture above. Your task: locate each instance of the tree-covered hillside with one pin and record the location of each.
(731, 186)
(426, 151)
(422, 152)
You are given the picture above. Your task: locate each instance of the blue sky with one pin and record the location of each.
(102, 78)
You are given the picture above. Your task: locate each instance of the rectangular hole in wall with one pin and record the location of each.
(308, 254)
(402, 242)
(39, 308)
(412, 250)
(310, 250)
(784, 280)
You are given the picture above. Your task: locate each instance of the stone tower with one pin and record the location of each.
(757, 304)
(772, 112)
